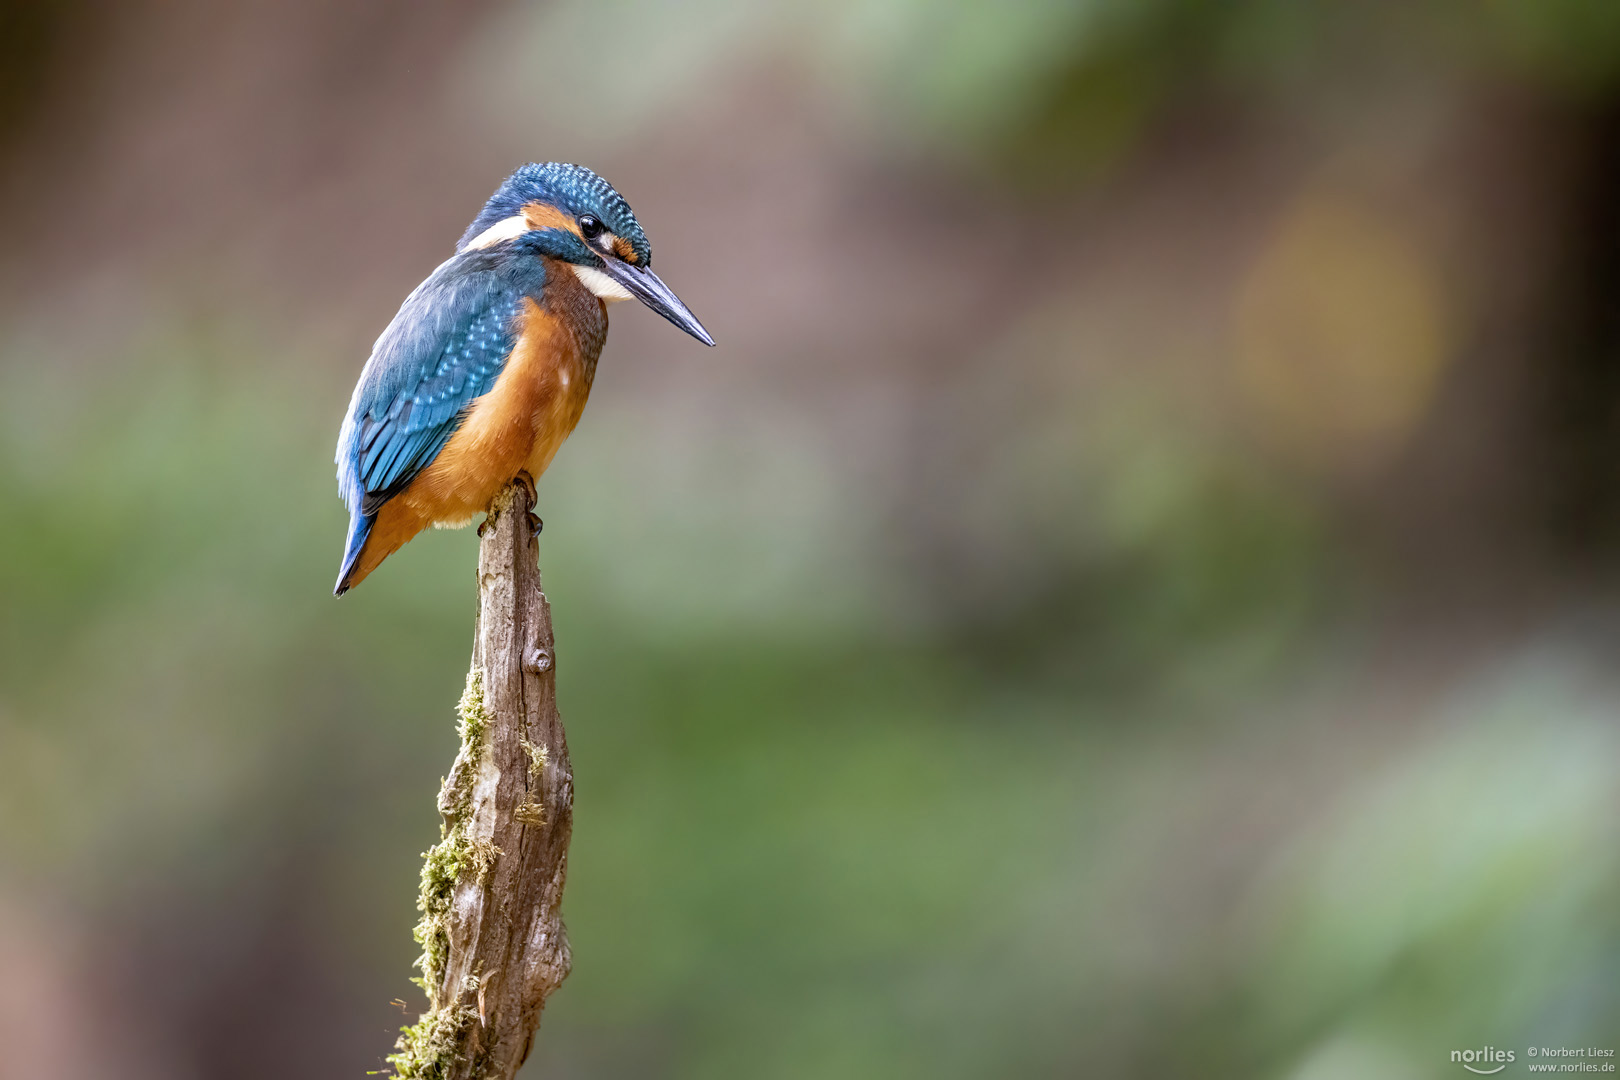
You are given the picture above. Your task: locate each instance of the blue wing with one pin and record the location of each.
(446, 347)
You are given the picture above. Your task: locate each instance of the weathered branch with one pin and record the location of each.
(493, 944)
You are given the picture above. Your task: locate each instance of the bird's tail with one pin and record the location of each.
(359, 530)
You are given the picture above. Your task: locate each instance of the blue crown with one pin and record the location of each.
(573, 189)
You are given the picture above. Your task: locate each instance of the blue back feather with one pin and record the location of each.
(446, 347)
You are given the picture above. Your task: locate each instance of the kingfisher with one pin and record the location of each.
(486, 368)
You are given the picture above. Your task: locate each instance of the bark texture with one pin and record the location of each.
(493, 943)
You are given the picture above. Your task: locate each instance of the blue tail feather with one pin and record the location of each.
(359, 529)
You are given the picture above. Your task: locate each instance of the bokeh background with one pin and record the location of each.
(1132, 594)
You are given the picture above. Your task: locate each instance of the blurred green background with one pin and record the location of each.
(1131, 595)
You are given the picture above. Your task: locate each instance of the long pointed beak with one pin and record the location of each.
(645, 286)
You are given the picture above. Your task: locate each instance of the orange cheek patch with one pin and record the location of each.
(541, 216)
(622, 248)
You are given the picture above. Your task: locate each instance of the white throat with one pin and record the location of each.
(601, 284)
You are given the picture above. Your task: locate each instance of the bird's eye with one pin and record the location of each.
(589, 227)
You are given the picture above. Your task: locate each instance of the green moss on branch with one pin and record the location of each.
(426, 1048)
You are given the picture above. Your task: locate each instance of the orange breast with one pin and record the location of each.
(517, 427)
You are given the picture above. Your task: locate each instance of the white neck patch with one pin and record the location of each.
(507, 229)
(600, 284)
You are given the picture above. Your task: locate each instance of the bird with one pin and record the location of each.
(487, 366)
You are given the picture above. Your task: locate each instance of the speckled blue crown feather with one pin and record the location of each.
(571, 188)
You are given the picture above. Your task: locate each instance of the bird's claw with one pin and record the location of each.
(528, 485)
(535, 525)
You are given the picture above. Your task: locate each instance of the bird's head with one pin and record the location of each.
(567, 212)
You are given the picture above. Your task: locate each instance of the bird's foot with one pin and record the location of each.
(528, 484)
(535, 525)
